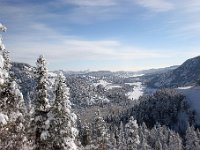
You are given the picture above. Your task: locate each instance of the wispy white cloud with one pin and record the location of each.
(181, 16)
(190, 29)
(74, 48)
(36, 36)
(156, 5)
(91, 3)
(108, 49)
(192, 6)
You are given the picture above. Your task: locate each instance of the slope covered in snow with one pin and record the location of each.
(106, 85)
(193, 97)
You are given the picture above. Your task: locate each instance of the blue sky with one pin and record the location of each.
(102, 34)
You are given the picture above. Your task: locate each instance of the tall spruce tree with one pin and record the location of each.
(61, 119)
(175, 141)
(132, 134)
(143, 134)
(192, 140)
(42, 107)
(122, 143)
(12, 128)
(86, 136)
(101, 135)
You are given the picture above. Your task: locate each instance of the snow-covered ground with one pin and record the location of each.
(193, 97)
(138, 91)
(101, 82)
(106, 85)
(137, 75)
(184, 87)
(96, 99)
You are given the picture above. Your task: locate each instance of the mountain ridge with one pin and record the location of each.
(185, 75)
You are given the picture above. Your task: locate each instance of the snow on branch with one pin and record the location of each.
(2, 28)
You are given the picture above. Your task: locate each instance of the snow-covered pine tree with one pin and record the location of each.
(86, 136)
(132, 136)
(3, 77)
(175, 141)
(101, 135)
(113, 141)
(159, 137)
(122, 142)
(192, 140)
(42, 107)
(61, 119)
(12, 128)
(143, 134)
(2, 28)
(158, 145)
(15, 111)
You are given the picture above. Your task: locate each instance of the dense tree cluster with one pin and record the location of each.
(132, 136)
(83, 93)
(43, 126)
(166, 107)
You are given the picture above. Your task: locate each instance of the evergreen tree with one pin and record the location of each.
(132, 134)
(159, 137)
(158, 145)
(40, 121)
(86, 136)
(192, 140)
(122, 142)
(12, 129)
(113, 141)
(61, 120)
(143, 134)
(102, 137)
(175, 141)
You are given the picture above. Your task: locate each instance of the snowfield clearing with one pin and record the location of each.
(101, 82)
(193, 97)
(137, 75)
(138, 91)
(109, 87)
(106, 85)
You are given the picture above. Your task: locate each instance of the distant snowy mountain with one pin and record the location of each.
(23, 73)
(89, 88)
(158, 71)
(186, 74)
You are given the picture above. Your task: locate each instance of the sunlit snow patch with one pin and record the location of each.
(108, 87)
(101, 82)
(137, 75)
(184, 87)
(137, 91)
